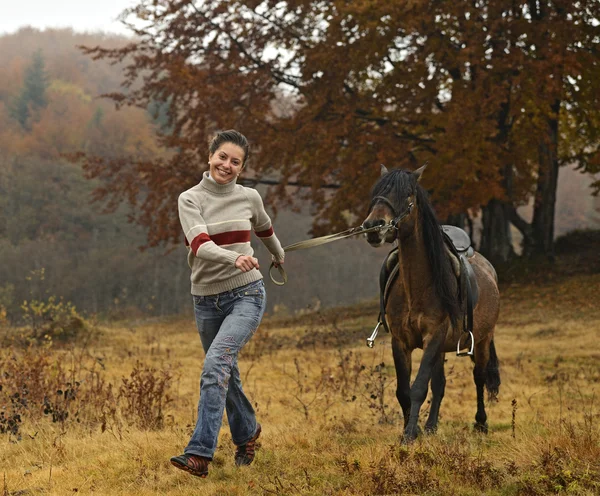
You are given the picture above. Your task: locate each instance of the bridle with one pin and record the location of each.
(392, 224)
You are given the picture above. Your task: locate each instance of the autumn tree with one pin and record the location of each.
(33, 95)
(555, 77)
(329, 90)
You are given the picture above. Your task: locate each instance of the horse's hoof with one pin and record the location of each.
(430, 429)
(483, 428)
(406, 440)
(410, 435)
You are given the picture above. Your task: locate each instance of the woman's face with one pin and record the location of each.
(226, 163)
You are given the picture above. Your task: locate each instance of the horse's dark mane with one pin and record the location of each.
(396, 186)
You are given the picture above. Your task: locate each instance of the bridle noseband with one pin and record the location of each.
(393, 224)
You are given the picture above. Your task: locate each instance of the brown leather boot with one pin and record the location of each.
(244, 455)
(193, 464)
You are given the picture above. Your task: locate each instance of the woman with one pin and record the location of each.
(229, 295)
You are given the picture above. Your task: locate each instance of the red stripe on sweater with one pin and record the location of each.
(231, 237)
(199, 240)
(265, 234)
(226, 238)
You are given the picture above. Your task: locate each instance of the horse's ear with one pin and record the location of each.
(384, 170)
(419, 172)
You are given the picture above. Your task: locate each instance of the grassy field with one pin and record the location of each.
(105, 416)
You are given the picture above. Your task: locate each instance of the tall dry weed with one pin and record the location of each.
(70, 388)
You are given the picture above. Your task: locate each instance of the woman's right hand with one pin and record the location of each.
(246, 263)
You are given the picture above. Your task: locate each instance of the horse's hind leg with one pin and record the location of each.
(438, 386)
(480, 416)
(402, 363)
(482, 355)
(486, 372)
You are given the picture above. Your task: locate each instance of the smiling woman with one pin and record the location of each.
(217, 216)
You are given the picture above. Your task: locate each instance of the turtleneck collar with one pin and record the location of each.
(214, 187)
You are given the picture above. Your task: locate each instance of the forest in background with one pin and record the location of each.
(55, 240)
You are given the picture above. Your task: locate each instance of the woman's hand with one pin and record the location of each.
(275, 262)
(246, 263)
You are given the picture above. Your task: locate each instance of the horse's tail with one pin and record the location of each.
(492, 373)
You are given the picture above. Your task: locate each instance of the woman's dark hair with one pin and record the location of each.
(230, 136)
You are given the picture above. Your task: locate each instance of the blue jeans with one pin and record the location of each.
(226, 322)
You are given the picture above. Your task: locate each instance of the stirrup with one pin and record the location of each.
(371, 339)
(465, 353)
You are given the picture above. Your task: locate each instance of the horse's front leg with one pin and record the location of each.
(418, 391)
(402, 363)
(438, 386)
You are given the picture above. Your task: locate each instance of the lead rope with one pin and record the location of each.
(310, 243)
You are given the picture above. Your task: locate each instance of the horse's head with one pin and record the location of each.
(393, 206)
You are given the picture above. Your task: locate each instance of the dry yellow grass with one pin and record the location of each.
(331, 423)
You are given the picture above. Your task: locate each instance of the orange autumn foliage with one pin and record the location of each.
(326, 91)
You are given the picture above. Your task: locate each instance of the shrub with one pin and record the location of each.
(145, 396)
(53, 320)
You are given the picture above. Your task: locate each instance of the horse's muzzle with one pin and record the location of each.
(377, 237)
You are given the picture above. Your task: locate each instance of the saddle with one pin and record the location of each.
(458, 246)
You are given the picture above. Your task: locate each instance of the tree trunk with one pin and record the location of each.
(496, 238)
(544, 206)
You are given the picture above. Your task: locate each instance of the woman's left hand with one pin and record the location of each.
(275, 262)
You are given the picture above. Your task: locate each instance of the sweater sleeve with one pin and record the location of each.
(261, 223)
(196, 234)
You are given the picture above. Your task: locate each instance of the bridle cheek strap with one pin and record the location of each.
(406, 213)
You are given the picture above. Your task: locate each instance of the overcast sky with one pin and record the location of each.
(81, 15)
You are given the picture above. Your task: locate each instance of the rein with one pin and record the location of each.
(353, 231)
(310, 243)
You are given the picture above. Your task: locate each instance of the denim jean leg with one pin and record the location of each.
(248, 311)
(208, 321)
(240, 412)
(213, 391)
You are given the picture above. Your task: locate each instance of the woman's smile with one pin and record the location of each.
(223, 172)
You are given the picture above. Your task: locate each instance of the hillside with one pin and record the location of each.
(331, 423)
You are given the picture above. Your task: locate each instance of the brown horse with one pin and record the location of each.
(423, 308)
